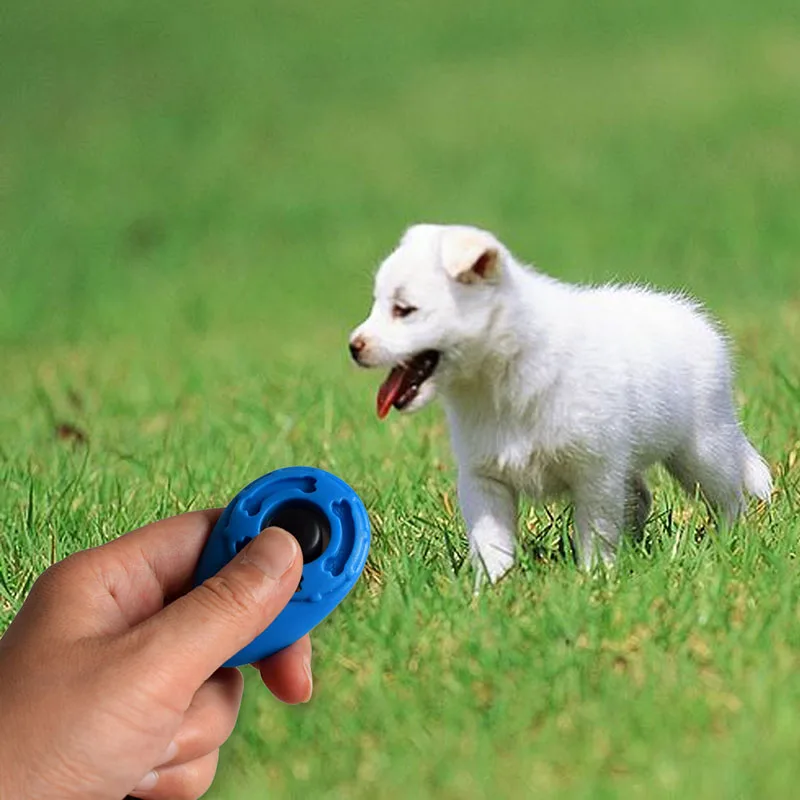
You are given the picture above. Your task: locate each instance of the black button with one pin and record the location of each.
(307, 523)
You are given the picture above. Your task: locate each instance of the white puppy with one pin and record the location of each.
(551, 388)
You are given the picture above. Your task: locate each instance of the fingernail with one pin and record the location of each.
(273, 552)
(171, 752)
(147, 783)
(307, 668)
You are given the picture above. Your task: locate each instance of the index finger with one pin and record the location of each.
(154, 564)
(127, 579)
(171, 546)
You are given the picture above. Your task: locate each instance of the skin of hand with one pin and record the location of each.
(110, 678)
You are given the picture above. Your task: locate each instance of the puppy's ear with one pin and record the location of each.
(470, 256)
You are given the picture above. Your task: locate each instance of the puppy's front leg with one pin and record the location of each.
(599, 517)
(489, 508)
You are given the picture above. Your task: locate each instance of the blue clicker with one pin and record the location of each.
(331, 525)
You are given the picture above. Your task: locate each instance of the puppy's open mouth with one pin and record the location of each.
(403, 382)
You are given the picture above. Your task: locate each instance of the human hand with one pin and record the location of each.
(110, 679)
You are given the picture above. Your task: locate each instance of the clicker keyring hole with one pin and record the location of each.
(307, 522)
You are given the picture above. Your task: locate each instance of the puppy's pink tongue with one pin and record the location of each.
(389, 390)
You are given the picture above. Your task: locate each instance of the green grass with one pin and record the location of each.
(192, 201)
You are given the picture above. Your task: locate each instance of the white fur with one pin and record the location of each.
(552, 388)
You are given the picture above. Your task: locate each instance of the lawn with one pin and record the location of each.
(193, 198)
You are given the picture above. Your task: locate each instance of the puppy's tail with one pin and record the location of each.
(757, 478)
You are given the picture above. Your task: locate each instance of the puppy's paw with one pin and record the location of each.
(597, 561)
(491, 569)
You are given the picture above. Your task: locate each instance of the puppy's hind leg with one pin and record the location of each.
(489, 508)
(638, 502)
(711, 462)
(717, 456)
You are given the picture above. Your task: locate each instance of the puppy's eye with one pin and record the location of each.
(400, 311)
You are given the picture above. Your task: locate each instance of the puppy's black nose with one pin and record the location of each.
(356, 346)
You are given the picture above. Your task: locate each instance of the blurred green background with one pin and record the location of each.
(193, 198)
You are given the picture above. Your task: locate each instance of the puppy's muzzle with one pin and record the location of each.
(357, 346)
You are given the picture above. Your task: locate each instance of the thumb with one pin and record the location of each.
(201, 630)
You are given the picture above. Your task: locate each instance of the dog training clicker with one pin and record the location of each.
(332, 528)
